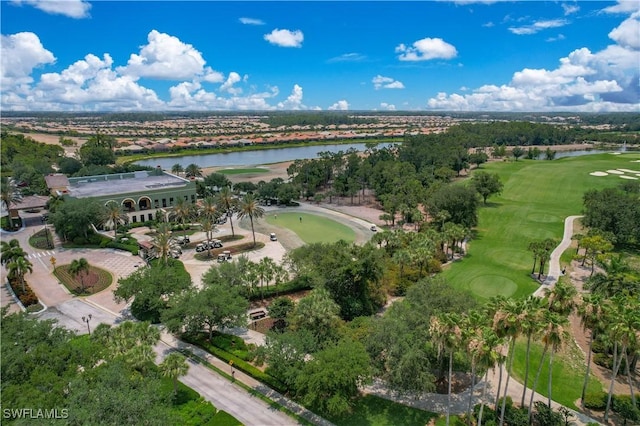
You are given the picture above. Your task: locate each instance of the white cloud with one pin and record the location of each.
(294, 100)
(91, 83)
(285, 38)
(251, 21)
(348, 57)
(627, 34)
(72, 8)
(607, 80)
(557, 38)
(538, 26)
(629, 6)
(233, 78)
(387, 107)
(426, 49)
(19, 54)
(489, 25)
(165, 57)
(380, 82)
(339, 106)
(190, 96)
(570, 8)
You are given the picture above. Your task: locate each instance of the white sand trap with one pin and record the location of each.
(615, 153)
(629, 177)
(635, 161)
(615, 172)
(599, 174)
(629, 171)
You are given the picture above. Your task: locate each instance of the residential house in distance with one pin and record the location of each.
(141, 194)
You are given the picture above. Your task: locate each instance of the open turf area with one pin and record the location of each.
(537, 196)
(312, 228)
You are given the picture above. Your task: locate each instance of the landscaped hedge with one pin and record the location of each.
(27, 297)
(595, 400)
(238, 363)
(294, 286)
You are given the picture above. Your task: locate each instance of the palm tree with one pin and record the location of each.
(530, 324)
(506, 323)
(174, 366)
(18, 268)
(534, 246)
(176, 169)
(10, 251)
(79, 267)
(114, 215)
(591, 313)
(193, 170)
(267, 270)
(488, 356)
(209, 208)
(249, 208)
(182, 211)
(623, 319)
(402, 258)
(473, 328)
(207, 226)
(552, 336)
(228, 204)
(9, 195)
(561, 298)
(163, 244)
(447, 334)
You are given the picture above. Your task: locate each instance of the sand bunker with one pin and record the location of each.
(635, 161)
(615, 153)
(599, 174)
(629, 177)
(629, 171)
(615, 172)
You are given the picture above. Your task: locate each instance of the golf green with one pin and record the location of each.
(312, 228)
(538, 195)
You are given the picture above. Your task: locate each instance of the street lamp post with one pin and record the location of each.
(87, 319)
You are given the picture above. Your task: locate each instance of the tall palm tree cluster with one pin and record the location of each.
(14, 259)
(9, 195)
(489, 336)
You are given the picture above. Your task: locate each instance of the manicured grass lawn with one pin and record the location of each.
(242, 171)
(568, 372)
(42, 239)
(537, 196)
(312, 228)
(374, 411)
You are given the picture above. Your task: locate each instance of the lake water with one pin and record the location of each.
(251, 158)
(279, 155)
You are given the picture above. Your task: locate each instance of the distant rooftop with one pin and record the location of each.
(123, 183)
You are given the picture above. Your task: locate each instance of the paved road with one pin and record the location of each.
(69, 311)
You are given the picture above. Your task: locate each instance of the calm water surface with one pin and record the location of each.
(251, 158)
(279, 155)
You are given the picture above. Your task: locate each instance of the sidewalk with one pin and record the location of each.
(247, 380)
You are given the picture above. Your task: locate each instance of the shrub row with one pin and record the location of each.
(27, 297)
(294, 286)
(238, 363)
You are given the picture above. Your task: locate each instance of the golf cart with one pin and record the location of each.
(273, 237)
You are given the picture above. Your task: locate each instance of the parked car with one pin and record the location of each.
(273, 237)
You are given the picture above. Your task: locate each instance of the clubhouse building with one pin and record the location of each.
(141, 194)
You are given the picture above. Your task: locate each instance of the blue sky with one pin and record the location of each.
(74, 55)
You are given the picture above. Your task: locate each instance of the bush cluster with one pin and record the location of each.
(27, 297)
